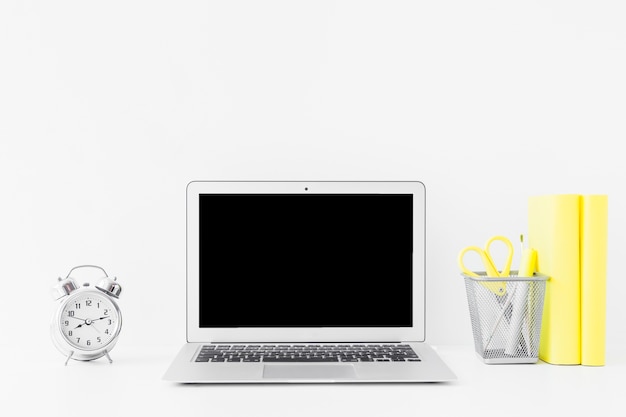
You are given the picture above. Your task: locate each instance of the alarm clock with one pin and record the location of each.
(87, 321)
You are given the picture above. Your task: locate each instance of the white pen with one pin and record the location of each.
(519, 300)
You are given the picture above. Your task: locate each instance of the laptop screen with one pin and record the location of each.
(305, 260)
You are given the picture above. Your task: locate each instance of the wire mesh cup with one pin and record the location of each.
(506, 316)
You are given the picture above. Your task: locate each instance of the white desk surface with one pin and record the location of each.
(34, 381)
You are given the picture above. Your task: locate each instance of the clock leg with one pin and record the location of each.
(69, 357)
(108, 357)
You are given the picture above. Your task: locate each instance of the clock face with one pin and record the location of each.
(89, 320)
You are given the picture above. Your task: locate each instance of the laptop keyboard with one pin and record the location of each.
(307, 353)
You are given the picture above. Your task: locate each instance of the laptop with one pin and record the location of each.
(306, 282)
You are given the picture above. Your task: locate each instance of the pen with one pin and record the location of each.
(528, 262)
(519, 297)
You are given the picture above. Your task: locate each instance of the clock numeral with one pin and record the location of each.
(66, 322)
(99, 339)
(77, 306)
(70, 333)
(88, 303)
(70, 313)
(106, 311)
(88, 342)
(78, 340)
(106, 331)
(110, 321)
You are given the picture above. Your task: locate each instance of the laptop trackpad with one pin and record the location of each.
(309, 371)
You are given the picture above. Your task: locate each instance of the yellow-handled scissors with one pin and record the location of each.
(498, 288)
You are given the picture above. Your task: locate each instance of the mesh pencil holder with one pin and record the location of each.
(505, 313)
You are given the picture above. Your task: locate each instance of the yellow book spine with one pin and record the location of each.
(553, 231)
(593, 260)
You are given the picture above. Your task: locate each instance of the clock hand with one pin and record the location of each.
(89, 322)
(85, 322)
(94, 327)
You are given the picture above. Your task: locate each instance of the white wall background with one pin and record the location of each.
(108, 109)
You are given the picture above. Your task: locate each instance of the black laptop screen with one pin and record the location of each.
(305, 260)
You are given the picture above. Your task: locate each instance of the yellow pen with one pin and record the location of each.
(528, 263)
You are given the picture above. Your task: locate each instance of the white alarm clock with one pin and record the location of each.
(88, 321)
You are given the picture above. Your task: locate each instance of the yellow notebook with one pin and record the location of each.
(553, 231)
(593, 259)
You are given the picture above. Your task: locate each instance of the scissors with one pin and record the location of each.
(498, 288)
